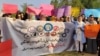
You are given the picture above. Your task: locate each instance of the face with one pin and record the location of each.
(43, 18)
(19, 16)
(68, 19)
(22, 15)
(91, 18)
(80, 18)
(61, 19)
(83, 16)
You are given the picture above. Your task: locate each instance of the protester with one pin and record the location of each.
(29, 17)
(0, 25)
(85, 21)
(79, 36)
(98, 20)
(19, 22)
(53, 18)
(98, 42)
(61, 19)
(43, 18)
(84, 18)
(68, 19)
(91, 41)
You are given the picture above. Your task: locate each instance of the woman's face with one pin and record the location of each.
(80, 18)
(91, 18)
(61, 19)
(19, 16)
(68, 19)
(22, 15)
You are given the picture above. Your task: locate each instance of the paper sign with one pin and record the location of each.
(67, 11)
(31, 9)
(47, 6)
(94, 12)
(47, 9)
(10, 8)
(75, 11)
(60, 12)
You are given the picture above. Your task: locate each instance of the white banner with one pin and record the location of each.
(34, 38)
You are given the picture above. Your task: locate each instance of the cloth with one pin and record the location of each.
(79, 46)
(91, 46)
(79, 29)
(20, 26)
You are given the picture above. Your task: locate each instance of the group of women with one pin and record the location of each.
(82, 43)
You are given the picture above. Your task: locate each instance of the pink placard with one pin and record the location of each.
(10, 8)
(60, 12)
(31, 9)
(46, 12)
(47, 9)
(67, 11)
(47, 6)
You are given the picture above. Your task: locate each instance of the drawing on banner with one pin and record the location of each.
(39, 28)
(41, 34)
(48, 27)
(55, 28)
(61, 30)
(31, 29)
(53, 33)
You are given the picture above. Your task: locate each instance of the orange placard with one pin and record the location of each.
(91, 31)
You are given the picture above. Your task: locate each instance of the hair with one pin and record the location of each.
(91, 15)
(18, 13)
(4, 15)
(26, 16)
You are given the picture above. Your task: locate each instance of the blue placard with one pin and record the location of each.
(94, 12)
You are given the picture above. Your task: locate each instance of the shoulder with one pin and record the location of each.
(95, 22)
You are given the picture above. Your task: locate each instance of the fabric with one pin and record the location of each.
(91, 31)
(40, 38)
(98, 39)
(79, 30)
(99, 52)
(91, 46)
(79, 46)
(6, 48)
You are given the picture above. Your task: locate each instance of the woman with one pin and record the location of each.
(98, 42)
(43, 18)
(98, 20)
(79, 36)
(61, 19)
(19, 23)
(68, 19)
(91, 41)
(29, 18)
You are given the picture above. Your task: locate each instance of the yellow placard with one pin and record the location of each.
(75, 11)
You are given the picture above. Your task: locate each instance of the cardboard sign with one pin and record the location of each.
(10, 8)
